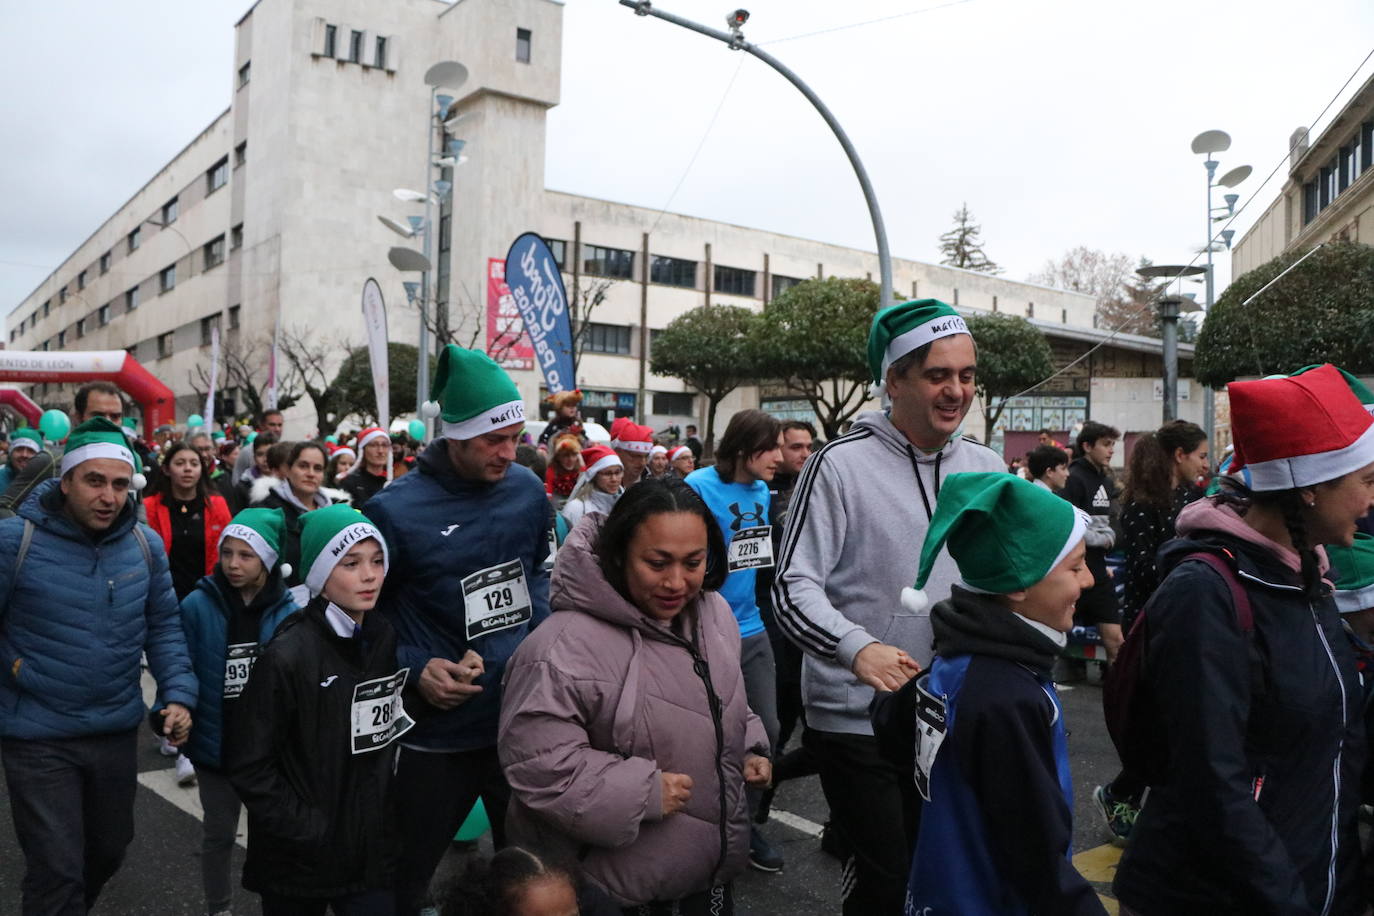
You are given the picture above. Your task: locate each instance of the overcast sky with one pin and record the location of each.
(1060, 123)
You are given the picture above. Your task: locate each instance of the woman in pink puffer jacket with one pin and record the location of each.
(625, 733)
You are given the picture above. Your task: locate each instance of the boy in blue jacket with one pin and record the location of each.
(983, 731)
(228, 618)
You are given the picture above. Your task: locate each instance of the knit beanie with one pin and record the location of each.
(1354, 566)
(472, 394)
(899, 329)
(260, 529)
(1299, 431)
(327, 534)
(99, 438)
(1004, 533)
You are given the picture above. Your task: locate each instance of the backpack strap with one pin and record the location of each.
(24, 541)
(143, 546)
(1245, 614)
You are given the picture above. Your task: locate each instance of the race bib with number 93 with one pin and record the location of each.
(238, 664)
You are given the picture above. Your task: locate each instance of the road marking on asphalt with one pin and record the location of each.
(796, 822)
(164, 783)
(1098, 865)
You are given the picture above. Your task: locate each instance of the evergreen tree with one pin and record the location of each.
(962, 246)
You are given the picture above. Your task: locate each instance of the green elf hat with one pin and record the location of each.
(262, 530)
(474, 395)
(99, 438)
(1357, 387)
(899, 329)
(327, 534)
(27, 438)
(1005, 534)
(1355, 564)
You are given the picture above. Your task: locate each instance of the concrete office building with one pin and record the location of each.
(270, 216)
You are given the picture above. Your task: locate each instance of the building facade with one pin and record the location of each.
(268, 220)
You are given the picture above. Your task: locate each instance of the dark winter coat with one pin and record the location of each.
(1093, 491)
(320, 812)
(996, 835)
(205, 617)
(361, 484)
(75, 623)
(440, 529)
(1265, 738)
(600, 701)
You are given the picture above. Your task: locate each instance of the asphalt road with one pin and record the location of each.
(161, 875)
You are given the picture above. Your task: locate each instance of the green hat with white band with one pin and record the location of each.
(99, 438)
(261, 530)
(1004, 533)
(27, 438)
(474, 395)
(1355, 568)
(899, 329)
(327, 534)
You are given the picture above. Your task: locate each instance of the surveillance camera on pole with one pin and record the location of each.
(735, 21)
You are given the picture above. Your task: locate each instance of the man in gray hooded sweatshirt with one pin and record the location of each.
(858, 518)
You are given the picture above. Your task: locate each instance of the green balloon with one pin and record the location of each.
(54, 425)
(250, 437)
(417, 430)
(333, 440)
(194, 420)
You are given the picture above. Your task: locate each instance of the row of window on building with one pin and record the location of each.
(1350, 162)
(619, 264)
(216, 177)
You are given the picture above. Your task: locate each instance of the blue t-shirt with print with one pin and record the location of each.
(741, 511)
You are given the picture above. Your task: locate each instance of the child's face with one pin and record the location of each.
(356, 580)
(551, 896)
(1051, 600)
(242, 567)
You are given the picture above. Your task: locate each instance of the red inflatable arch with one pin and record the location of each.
(21, 404)
(156, 399)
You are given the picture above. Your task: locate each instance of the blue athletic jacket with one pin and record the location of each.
(74, 625)
(205, 618)
(985, 732)
(440, 530)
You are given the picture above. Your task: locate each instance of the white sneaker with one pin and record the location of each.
(165, 748)
(186, 773)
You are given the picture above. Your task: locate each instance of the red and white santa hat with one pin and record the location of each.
(678, 452)
(634, 438)
(595, 459)
(372, 432)
(657, 450)
(1299, 431)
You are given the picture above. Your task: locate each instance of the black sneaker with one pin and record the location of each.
(833, 843)
(762, 855)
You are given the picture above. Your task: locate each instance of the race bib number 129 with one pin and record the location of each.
(496, 598)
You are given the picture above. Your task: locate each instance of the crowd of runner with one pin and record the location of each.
(610, 647)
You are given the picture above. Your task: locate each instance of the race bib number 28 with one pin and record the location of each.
(378, 715)
(496, 598)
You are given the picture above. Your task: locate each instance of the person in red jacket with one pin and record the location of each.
(188, 515)
(565, 464)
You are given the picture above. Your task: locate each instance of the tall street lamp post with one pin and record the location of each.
(735, 39)
(1207, 143)
(1169, 308)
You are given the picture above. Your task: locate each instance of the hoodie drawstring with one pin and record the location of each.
(916, 469)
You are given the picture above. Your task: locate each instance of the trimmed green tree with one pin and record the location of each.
(709, 348)
(814, 340)
(1013, 355)
(353, 389)
(1322, 311)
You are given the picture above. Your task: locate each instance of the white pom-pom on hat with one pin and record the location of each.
(138, 482)
(915, 600)
(286, 570)
(429, 409)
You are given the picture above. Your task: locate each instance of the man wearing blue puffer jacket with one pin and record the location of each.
(86, 591)
(228, 619)
(468, 535)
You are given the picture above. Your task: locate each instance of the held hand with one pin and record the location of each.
(884, 667)
(677, 789)
(758, 771)
(445, 684)
(176, 724)
(474, 664)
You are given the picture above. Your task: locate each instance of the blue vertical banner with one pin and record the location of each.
(536, 284)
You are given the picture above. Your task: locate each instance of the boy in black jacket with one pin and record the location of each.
(313, 750)
(982, 732)
(1091, 488)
